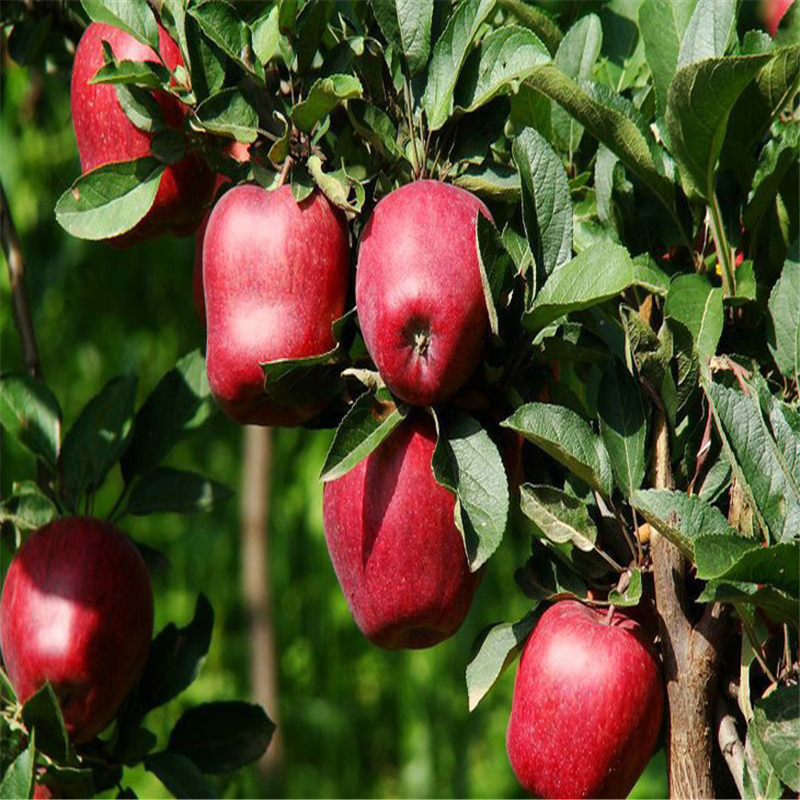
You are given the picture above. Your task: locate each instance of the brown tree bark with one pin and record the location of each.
(691, 655)
(256, 480)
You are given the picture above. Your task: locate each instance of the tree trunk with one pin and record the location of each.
(256, 479)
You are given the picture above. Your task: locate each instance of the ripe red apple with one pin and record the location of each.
(77, 610)
(418, 290)
(275, 275)
(587, 705)
(773, 12)
(105, 134)
(241, 153)
(394, 545)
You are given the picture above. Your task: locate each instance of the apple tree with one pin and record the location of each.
(536, 265)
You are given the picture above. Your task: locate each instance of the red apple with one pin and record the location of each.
(105, 134)
(275, 275)
(773, 12)
(397, 553)
(418, 290)
(77, 610)
(587, 705)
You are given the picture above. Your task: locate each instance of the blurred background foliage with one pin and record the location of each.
(354, 721)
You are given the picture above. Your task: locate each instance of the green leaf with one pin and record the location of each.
(495, 181)
(662, 24)
(623, 426)
(132, 16)
(780, 606)
(303, 381)
(336, 185)
(771, 486)
(176, 657)
(559, 517)
(467, 462)
(632, 593)
(110, 200)
(709, 31)
(745, 560)
(42, 713)
(179, 404)
(783, 325)
(17, 782)
(28, 508)
(407, 27)
(140, 107)
(776, 723)
(609, 124)
(221, 24)
(222, 736)
(681, 518)
(266, 35)
(595, 275)
(166, 490)
(694, 304)
(493, 652)
(700, 100)
(98, 438)
(575, 58)
(496, 268)
(537, 20)
(546, 205)
(146, 74)
(325, 94)
(498, 63)
(369, 422)
(30, 413)
(567, 438)
(375, 126)
(449, 55)
(309, 30)
(208, 62)
(229, 113)
(179, 774)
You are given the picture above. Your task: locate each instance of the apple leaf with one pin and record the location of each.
(746, 560)
(42, 714)
(695, 306)
(493, 652)
(132, 16)
(779, 606)
(700, 100)
(602, 271)
(176, 658)
(166, 490)
(662, 24)
(375, 126)
(180, 403)
(783, 331)
(145, 74)
(407, 27)
(325, 94)
(546, 204)
(504, 57)
(494, 181)
(496, 268)
(558, 516)
(369, 421)
(680, 517)
(28, 507)
(266, 35)
(758, 461)
(221, 24)
(631, 594)
(776, 724)
(110, 200)
(467, 463)
(449, 55)
(222, 736)
(308, 31)
(313, 380)
(229, 113)
(623, 426)
(17, 783)
(30, 413)
(708, 32)
(99, 437)
(179, 774)
(568, 438)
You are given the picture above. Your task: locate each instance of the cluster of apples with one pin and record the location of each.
(271, 276)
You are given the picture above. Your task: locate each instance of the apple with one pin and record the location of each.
(773, 12)
(77, 611)
(105, 135)
(418, 290)
(275, 276)
(239, 152)
(587, 707)
(396, 551)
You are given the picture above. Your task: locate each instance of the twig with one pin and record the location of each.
(730, 744)
(287, 165)
(19, 295)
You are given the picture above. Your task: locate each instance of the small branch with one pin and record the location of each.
(722, 247)
(730, 744)
(287, 165)
(19, 295)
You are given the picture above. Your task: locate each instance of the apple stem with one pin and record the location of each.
(287, 165)
(610, 615)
